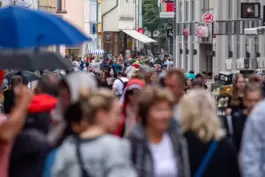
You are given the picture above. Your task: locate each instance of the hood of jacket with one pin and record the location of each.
(132, 84)
(75, 82)
(79, 80)
(42, 103)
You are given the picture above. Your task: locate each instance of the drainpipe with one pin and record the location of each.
(103, 15)
(58, 9)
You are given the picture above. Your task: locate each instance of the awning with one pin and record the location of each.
(138, 36)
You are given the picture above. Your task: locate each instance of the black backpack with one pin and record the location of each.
(124, 86)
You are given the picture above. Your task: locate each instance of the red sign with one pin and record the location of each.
(199, 32)
(208, 18)
(202, 31)
(186, 32)
(140, 30)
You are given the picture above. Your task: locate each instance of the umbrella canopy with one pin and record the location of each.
(25, 60)
(169, 63)
(29, 76)
(26, 28)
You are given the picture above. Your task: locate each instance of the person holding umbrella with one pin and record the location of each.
(10, 125)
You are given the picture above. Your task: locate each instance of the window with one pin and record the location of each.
(202, 5)
(237, 27)
(192, 28)
(230, 9)
(186, 11)
(206, 5)
(192, 10)
(230, 27)
(238, 9)
(180, 29)
(93, 28)
(181, 10)
(256, 45)
(220, 28)
(238, 46)
(193, 40)
(92, 12)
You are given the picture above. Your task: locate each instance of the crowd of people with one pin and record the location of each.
(157, 122)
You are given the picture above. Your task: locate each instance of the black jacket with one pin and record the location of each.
(28, 154)
(222, 164)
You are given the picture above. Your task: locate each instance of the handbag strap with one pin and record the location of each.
(84, 172)
(206, 159)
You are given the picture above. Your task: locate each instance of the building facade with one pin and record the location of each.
(221, 45)
(117, 15)
(92, 23)
(120, 22)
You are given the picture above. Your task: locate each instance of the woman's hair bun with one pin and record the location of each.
(84, 93)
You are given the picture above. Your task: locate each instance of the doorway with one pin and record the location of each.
(206, 57)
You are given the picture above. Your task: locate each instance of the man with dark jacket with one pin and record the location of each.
(31, 145)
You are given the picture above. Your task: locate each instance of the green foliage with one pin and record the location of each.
(151, 20)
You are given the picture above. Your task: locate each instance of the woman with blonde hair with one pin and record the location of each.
(91, 150)
(210, 153)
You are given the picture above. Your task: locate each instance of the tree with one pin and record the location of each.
(151, 20)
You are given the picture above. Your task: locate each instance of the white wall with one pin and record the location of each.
(127, 14)
(123, 17)
(111, 20)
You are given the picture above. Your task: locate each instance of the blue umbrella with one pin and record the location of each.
(26, 28)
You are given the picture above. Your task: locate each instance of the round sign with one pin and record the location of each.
(207, 18)
(140, 30)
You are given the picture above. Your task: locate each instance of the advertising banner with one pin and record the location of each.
(166, 8)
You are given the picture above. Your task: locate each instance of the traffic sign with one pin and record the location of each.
(208, 18)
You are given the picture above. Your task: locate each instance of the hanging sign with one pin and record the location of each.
(166, 8)
(140, 30)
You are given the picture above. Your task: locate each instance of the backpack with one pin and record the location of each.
(124, 86)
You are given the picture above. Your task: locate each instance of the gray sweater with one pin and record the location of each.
(253, 144)
(104, 156)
